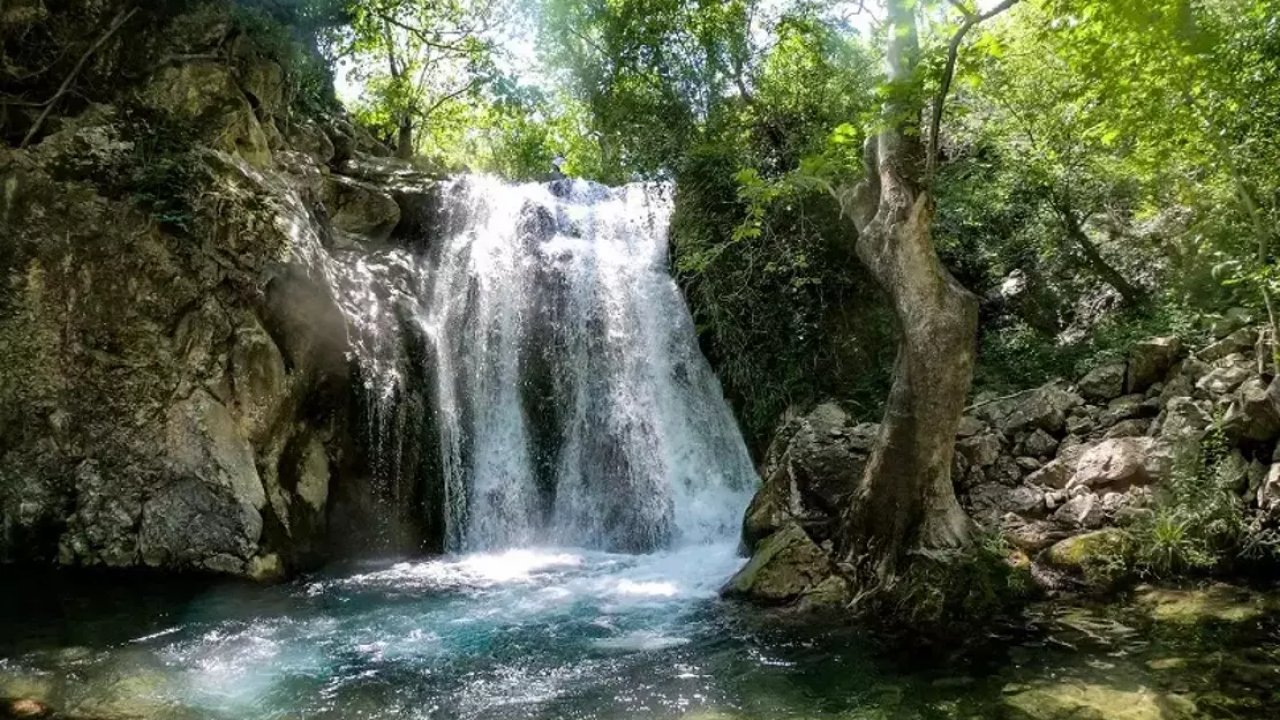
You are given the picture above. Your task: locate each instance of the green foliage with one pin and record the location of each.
(1197, 523)
(286, 34)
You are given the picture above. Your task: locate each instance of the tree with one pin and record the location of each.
(904, 503)
(415, 56)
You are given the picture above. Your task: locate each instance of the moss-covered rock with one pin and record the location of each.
(785, 566)
(1214, 603)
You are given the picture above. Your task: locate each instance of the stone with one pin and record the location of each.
(1039, 444)
(1082, 511)
(1034, 536)
(1268, 497)
(1078, 552)
(1184, 421)
(1149, 360)
(265, 568)
(1137, 427)
(991, 501)
(1028, 464)
(1059, 471)
(1120, 463)
(969, 426)
(785, 566)
(1045, 408)
(1229, 322)
(1241, 341)
(980, 450)
(1226, 376)
(1102, 383)
(259, 381)
(1254, 413)
(1122, 408)
(359, 208)
(1070, 699)
(206, 95)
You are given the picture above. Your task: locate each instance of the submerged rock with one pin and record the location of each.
(1217, 602)
(1082, 700)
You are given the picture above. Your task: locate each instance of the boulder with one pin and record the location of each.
(1122, 408)
(969, 426)
(1079, 552)
(205, 94)
(360, 208)
(980, 450)
(785, 566)
(1184, 421)
(1136, 427)
(1082, 511)
(1149, 360)
(1241, 341)
(1254, 413)
(1120, 463)
(814, 461)
(1059, 471)
(1226, 375)
(1034, 536)
(1039, 444)
(1044, 408)
(1103, 383)
(991, 501)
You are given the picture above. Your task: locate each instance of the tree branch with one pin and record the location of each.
(120, 19)
(948, 73)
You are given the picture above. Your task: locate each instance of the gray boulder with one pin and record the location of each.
(1149, 360)
(1121, 463)
(1102, 383)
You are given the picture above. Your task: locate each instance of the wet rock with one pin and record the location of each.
(1149, 361)
(360, 208)
(1102, 383)
(785, 566)
(1120, 463)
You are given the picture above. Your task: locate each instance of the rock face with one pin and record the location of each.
(181, 395)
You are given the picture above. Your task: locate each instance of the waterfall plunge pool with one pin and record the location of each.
(561, 633)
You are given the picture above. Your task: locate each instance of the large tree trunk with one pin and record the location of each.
(404, 139)
(905, 501)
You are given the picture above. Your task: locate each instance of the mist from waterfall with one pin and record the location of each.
(573, 404)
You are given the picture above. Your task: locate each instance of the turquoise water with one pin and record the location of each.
(572, 634)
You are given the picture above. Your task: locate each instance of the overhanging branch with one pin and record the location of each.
(971, 19)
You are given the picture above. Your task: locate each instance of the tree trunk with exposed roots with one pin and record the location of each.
(904, 504)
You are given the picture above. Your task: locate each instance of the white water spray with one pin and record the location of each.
(573, 404)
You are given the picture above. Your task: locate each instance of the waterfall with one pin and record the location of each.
(572, 402)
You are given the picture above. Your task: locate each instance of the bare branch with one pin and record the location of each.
(115, 25)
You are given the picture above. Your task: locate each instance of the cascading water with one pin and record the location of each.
(573, 404)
